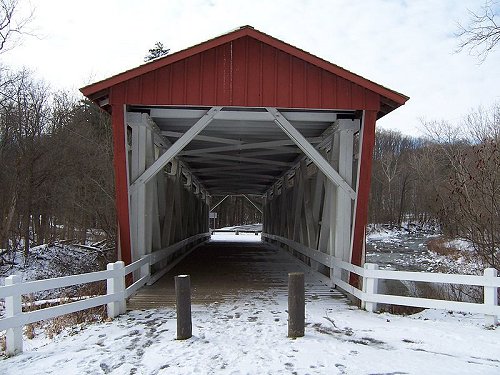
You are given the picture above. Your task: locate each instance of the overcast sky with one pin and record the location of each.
(408, 46)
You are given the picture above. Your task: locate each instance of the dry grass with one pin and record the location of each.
(440, 246)
(400, 310)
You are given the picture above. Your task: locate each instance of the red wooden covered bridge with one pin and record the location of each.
(243, 113)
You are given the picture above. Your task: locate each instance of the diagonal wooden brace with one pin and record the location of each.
(177, 147)
(311, 152)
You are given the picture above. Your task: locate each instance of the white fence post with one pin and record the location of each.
(335, 273)
(490, 297)
(13, 307)
(146, 269)
(116, 286)
(370, 286)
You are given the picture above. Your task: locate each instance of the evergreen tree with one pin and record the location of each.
(157, 51)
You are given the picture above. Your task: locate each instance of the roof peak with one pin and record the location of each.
(99, 88)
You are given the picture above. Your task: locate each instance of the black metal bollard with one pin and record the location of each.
(183, 306)
(296, 304)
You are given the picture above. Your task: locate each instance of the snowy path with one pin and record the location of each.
(246, 334)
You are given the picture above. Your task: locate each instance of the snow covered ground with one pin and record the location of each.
(55, 261)
(248, 336)
(406, 249)
(231, 237)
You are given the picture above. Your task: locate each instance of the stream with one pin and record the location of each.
(402, 251)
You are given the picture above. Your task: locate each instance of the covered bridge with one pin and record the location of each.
(243, 113)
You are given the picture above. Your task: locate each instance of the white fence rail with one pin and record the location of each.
(117, 293)
(371, 275)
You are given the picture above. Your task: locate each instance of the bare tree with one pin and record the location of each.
(393, 176)
(56, 155)
(14, 23)
(470, 192)
(482, 34)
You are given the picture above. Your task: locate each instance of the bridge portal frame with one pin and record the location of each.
(240, 74)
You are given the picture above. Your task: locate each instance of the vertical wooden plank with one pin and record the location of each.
(343, 93)
(283, 94)
(298, 83)
(140, 196)
(163, 85)
(254, 76)
(358, 97)
(341, 225)
(178, 80)
(134, 90)
(299, 202)
(326, 203)
(193, 80)
(169, 211)
(318, 197)
(268, 75)
(239, 61)
(161, 203)
(308, 213)
(148, 90)
(177, 234)
(313, 86)
(208, 89)
(134, 173)
(363, 190)
(372, 100)
(224, 73)
(121, 180)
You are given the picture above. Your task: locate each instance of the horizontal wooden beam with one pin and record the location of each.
(236, 167)
(209, 157)
(276, 151)
(204, 138)
(244, 114)
(239, 147)
(264, 177)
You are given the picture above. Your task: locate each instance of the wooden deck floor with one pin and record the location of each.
(227, 270)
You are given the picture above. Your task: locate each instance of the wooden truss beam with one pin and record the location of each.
(245, 114)
(236, 167)
(246, 146)
(208, 177)
(213, 157)
(311, 152)
(253, 204)
(175, 148)
(204, 138)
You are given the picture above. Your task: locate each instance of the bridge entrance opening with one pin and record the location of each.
(244, 115)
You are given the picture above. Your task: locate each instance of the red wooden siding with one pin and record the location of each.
(121, 190)
(361, 213)
(244, 72)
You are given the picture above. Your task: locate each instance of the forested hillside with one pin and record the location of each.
(56, 156)
(450, 177)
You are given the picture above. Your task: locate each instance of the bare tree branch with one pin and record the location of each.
(14, 24)
(482, 34)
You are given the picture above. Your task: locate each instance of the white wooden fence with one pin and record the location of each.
(115, 298)
(117, 293)
(371, 275)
